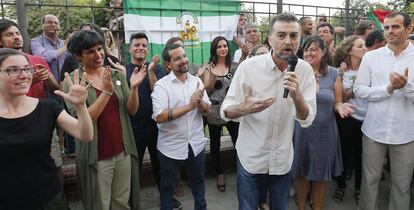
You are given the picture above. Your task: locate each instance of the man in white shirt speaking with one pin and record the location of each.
(255, 98)
(383, 80)
(179, 100)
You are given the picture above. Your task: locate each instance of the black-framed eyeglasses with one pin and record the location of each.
(15, 71)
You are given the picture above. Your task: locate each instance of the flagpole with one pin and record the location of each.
(346, 18)
(279, 6)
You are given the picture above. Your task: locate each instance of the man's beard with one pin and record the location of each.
(183, 69)
(283, 56)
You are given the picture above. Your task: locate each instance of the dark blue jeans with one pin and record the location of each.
(169, 172)
(250, 188)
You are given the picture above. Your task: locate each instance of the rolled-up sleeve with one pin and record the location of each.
(235, 94)
(309, 95)
(159, 100)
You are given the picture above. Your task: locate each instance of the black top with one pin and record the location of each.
(142, 118)
(28, 175)
(71, 63)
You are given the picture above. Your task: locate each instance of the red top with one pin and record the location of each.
(110, 142)
(37, 90)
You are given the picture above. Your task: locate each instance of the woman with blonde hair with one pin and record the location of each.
(347, 57)
(110, 42)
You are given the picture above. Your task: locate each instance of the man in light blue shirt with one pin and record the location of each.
(49, 46)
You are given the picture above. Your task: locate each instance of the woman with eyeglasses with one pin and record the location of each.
(217, 76)
(27, 172)
(107, 167)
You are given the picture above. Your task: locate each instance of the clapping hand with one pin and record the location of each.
(197, 97)
(108, 86)
(77, 91)
(41, 73)
(252, 104)
(116, 65)
(155, 60)
(397, 80)
(138, 76)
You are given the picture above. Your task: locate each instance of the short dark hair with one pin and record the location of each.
(139, 35)
(326, 58)
(213, 51)
(323, 24)
(6, 23)
(83, 40)
(172, 40)
(375, 36)
(406, 17)
(283, 17)
(362, 26)
(7, 52)
(166, 52)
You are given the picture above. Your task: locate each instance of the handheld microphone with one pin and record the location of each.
(292, 61)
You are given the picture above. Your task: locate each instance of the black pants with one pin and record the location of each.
(351, 147)
(215, 141)
(147, 136)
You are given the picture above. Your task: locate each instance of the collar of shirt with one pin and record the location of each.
(408, 49)
(171, 77)
(270, 63)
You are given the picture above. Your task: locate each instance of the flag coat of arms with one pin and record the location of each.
(196, 22)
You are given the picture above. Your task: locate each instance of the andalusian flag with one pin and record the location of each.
(197, 22)
(377, 16)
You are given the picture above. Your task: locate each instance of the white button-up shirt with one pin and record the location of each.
(174, 136)
(390, 117)
(264, 144)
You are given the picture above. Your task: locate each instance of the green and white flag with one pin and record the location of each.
(197, 22)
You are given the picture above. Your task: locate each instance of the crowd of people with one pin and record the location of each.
(296, 123)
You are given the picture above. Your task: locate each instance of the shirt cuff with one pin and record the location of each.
(309, 119)
(224, 108)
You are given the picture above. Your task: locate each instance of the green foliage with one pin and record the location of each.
(358, 10)
(248, 10)
(264, 27)
(71, 13)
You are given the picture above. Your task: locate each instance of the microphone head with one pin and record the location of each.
(292, 60)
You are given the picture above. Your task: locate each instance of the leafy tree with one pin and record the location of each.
(71, 13)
